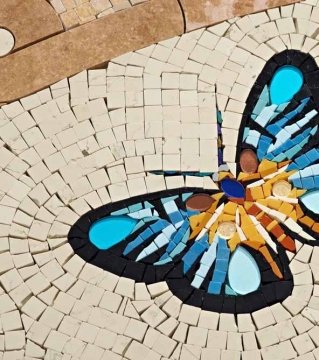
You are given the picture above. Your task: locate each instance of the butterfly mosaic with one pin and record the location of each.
(226, 250)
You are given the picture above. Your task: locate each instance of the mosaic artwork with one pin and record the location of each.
(159, 180)
(227, 250)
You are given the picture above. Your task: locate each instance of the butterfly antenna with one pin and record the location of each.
(220, 144)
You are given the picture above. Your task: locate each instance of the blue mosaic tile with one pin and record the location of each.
(120, 212)
(229, 291)
(308, 183)
(148, 205)
(214, 288)
(135, 207)
(232, 188)
(196, 250)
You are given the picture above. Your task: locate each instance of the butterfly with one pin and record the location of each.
(227, 249)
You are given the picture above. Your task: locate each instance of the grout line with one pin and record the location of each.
(183, 14)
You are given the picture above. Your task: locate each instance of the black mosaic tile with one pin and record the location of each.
(283, 290)
(229, 305)
(213, 303)
(134, 270)
(149, 275)
(87, 252)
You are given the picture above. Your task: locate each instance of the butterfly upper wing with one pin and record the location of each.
(279, 127)
(283, 129)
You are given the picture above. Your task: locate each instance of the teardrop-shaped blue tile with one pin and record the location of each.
(285, 84)
(243, 272)
(110, 231)
(311, 201)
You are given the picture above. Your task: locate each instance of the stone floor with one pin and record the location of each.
(97, 138)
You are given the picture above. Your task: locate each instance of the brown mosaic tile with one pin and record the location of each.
(70, 19)
(77, 12)
(202, 13)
